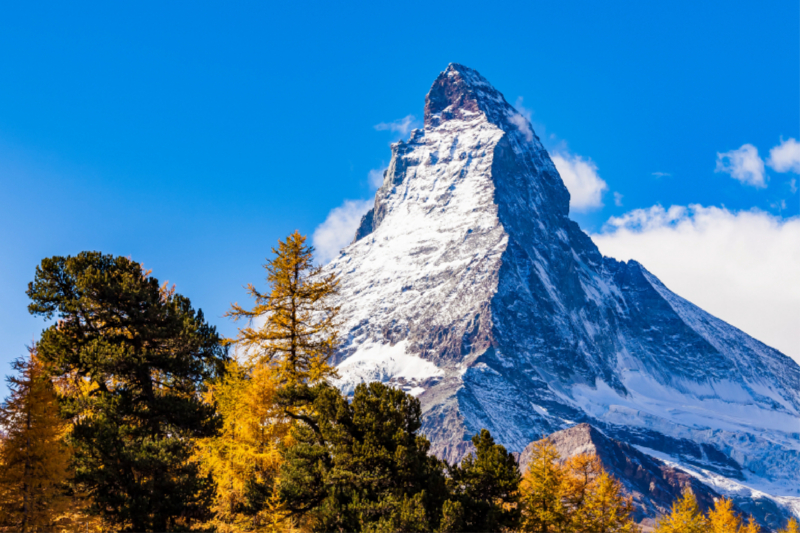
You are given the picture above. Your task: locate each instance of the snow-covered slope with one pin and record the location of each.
(469, 286)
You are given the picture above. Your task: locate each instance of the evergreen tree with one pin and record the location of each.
(34, 459)
(722, 519)
(486, 484)
(299, 333)
(685, 517)
(360, 465)
(132, 357)
(542, 489)
(244, 458)
(791, 527)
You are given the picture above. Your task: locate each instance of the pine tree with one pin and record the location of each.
(486, 484)
(131, 358)
(360, 465)
(542, 490)
(299, 334)
(244, 458)
(791, 527)
(722, 519)
(685, 517)
(34, 459)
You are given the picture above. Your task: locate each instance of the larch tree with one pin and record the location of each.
(685, 517)
(722, 518)
(298, 335)
(542, 490)
(34, 459)
(244, 457)
(752, 526)
(289, 337)
(132, 358)
(792, 527)
(606, 508)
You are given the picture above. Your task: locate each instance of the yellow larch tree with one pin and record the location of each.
(722, 518)
(287, 342)
(685, 517)
(791, 527)
(541, 491)
(299, 334)
(244, 457)
(34, 458)
(752, 526)
(606, 507)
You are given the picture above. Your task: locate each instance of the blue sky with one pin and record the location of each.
(192, 136)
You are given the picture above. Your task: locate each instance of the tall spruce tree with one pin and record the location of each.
(486, 484)
(361, 465)
(133, 357)
(34, 459)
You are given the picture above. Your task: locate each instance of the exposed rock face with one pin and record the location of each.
(469, 286)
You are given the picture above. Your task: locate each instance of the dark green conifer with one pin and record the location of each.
(486, 484)
(130, 357)
(360, 465)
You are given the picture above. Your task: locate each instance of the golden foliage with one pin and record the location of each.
(34, 459)
(576, 496)
(244, 458)
(722, 519)
(791, 527)
(685, 517)
(299, 334)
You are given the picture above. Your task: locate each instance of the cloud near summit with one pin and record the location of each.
(740, 266)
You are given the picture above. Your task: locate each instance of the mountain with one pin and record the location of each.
(469, 286)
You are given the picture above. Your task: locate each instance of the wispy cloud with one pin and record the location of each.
(375, 178)
(339, 228)
(738, 265)
(403, 126)
(744, 165)
(585, 185)
(661, 174)
(617, 199)
(522, 120)
(785, 157)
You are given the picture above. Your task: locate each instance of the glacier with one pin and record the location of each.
(468, 285)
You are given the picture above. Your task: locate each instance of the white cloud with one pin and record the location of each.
(744, 165)
(375, 178)
(793, 185)
(739, 266)
(618, 199)
(522, 120)
(580, 176)
(339, 228)
(403, 126)
(661, 174)
(785, 157)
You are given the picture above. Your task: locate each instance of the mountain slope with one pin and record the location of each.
(469, 286)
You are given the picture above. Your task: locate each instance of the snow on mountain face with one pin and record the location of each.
(469, 286)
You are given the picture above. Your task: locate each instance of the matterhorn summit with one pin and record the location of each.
(468, 285)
